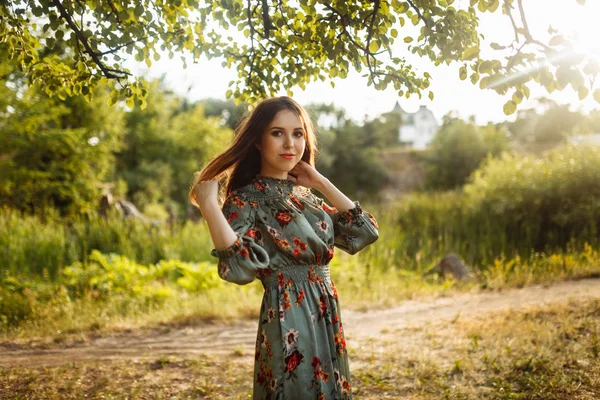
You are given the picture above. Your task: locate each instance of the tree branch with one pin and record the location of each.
(108, 72)
(421, 17)
(528, 36)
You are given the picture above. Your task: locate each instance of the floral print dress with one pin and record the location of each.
(286, 237)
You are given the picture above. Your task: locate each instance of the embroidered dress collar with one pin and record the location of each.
(273, 186)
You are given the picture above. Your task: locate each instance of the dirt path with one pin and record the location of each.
(240, 338)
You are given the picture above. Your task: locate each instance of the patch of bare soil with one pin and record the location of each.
(240, 337)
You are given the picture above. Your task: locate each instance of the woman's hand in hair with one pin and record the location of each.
(304, 174)
(206, 192)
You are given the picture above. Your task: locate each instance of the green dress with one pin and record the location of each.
(286, 236)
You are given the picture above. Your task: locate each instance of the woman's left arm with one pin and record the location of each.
(337, 199)
(354, 228)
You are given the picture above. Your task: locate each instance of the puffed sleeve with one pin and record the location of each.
(354, 229)
(239, 262)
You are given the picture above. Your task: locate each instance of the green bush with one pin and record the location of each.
(458, 149)
(108, 275)
(512, 206)
(547, 201)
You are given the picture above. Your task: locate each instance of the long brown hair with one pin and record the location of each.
(239, 164)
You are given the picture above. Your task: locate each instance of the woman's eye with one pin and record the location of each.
(299, 134)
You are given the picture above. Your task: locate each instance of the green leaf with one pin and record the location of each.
(517, 97)
(509, 107)
(462, 72)
(485, 67)
(470, 53)
(408, 39)
(483, 83)
(431, 95)
(374, 46)
(394, 33)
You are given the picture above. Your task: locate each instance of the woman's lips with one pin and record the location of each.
(287, 157)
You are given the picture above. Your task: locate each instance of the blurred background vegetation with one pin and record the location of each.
(517, 201)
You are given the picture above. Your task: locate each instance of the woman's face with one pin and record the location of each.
(285, 135)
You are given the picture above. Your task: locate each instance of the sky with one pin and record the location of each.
(209, 79)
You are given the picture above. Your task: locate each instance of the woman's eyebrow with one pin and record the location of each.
(278, 127)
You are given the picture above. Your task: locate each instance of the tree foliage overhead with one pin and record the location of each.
(280, 44)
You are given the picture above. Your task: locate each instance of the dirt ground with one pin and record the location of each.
(239, 337)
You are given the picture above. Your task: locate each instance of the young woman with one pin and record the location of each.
(272, 227)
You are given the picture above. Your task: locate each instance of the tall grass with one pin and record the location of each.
(513, 206)
(31, 248)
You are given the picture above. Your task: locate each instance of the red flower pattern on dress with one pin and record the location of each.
(323, 305)
(280, 280)
(300, 297)
(328, 209)
(345, 385)
(232, 216)
(335, 293)
(259, 186)
(283, 217)
(251, 233)
(244, 252)
(340, 343)
(373, 220)
(311, 275)
(298, 242)
(292, 361)
(297, 202)
(286, 300)
(238, 202)
(335, 319)
(271, 314)
(318, 373)
(283, 243)
(330, 252)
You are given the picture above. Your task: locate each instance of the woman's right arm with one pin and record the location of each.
(232, 230)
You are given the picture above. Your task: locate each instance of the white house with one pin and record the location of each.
(418, 128)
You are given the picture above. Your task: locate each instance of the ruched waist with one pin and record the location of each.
(295, 273)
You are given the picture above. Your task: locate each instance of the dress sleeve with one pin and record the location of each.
(239, 262)
(354, 229)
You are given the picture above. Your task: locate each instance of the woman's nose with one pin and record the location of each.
(288, 141)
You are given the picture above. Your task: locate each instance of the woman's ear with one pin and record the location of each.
(257, 146)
